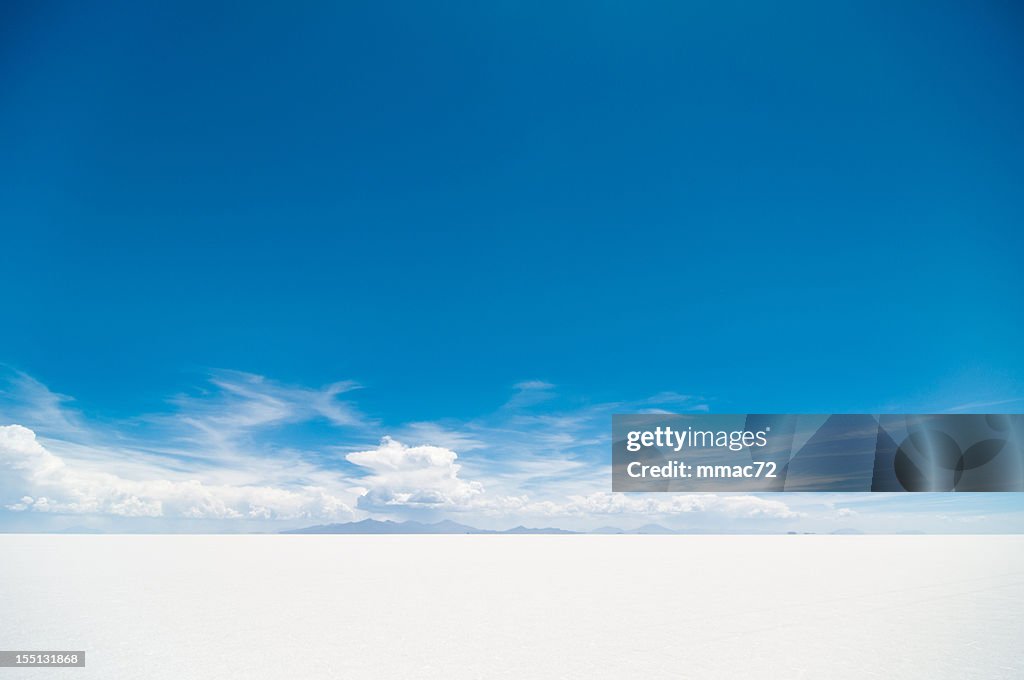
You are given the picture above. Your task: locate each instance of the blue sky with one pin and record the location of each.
(208, 211)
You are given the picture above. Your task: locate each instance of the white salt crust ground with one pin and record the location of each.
(262, 607)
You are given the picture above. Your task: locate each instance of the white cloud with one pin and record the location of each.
(43, 482)
(25, 399)
(539, 439)
(245, 402)
(224, 454)
(400, 478)
(414, 476)
(533, 385)
(427, 477)
(528, 393)
(223, 421)
(439, 435)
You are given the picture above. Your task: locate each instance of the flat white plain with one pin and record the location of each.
(262, 607)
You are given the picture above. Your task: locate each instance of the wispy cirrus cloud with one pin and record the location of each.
(236, 405)
(25, 399)
(206, 457)
(540, 442)
(998, 405)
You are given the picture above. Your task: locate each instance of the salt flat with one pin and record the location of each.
(458, 607)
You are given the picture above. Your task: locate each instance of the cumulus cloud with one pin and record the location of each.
(413, 476)
(44, 482)
(428, 477)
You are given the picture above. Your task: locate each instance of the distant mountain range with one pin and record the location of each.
(376, 527)
(373, 526)
(645, 529)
